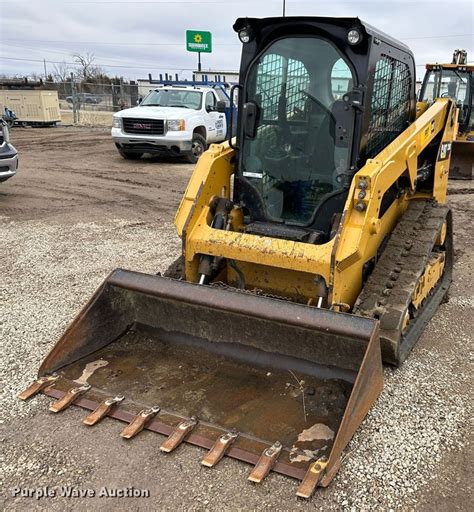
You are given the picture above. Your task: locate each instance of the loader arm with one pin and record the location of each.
(364, 227)
(362, 230)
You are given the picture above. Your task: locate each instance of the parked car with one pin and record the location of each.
(172, 120)
(85, 97)
(8, 154)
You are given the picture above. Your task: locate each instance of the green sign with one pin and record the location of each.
(197, 41)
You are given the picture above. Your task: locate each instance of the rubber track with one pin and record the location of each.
(388, 291)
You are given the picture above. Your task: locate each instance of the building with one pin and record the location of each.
(211, 75)
(145, 85)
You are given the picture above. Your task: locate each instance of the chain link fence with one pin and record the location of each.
(83, 102)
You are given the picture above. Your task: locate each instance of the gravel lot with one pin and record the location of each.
(74, 212)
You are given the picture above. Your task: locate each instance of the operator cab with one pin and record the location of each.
(454, 81)
(317, 97)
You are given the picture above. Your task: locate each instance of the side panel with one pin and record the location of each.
(367, 388)
(363, 227)
(211, 177)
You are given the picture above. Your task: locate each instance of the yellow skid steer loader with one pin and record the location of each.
(314, 244)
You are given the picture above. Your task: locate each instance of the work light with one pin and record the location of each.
(354, 36)
(245, 35)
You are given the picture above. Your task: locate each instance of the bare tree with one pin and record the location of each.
(88, 69)
(62, 71)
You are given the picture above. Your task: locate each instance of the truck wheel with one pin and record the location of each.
(197, 148)
(130, 156)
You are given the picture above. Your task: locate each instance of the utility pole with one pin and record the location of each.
(45, 72)
(122, 93)
(284, 7)
(73, 94)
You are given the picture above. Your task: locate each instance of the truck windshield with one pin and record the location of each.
(173, 98)
(301, 145)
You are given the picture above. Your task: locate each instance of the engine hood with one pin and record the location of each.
(156, 113)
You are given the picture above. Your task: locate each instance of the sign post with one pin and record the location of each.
(200, 42)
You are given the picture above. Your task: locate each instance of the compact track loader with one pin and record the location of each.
(314, 244)
(455, 80)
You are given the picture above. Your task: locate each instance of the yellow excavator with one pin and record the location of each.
(454, 80)
(315, 243)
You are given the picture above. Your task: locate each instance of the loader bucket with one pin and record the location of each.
(462, 161)
(286, 385)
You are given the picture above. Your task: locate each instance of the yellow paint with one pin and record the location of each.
(442, 235)
(432, 274)
(288, 268)
(421, 108)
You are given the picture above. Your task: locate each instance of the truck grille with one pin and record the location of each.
(144, 126)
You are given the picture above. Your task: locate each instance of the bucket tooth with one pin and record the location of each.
(139, 422)
(222, 444)
(38, 385)
(266, 462)
(68, 398)
(311, 479)
(102, 410)
(177, 436)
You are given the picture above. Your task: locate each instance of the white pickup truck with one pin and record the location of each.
(174, 120)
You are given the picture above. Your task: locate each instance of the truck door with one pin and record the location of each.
(216, 124)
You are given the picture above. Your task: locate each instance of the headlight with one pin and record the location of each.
(245, 35)
(354, 36)
(176, 125)
(116, 122)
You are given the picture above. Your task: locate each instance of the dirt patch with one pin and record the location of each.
(71, 174)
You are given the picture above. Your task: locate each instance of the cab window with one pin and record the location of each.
(341, 79)
(210, 102)
(299, 153)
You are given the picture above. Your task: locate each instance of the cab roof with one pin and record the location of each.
(458, 67)
(259, 23)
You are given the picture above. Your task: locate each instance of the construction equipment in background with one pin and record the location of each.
(455, 80)
(314, 242)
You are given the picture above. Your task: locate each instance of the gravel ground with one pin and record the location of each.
(61, 238)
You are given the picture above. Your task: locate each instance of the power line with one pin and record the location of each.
(42, 51)
(111, 44)
(37, 49)
(108, 43)
(104, 64)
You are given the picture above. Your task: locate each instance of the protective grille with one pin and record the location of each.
(143, 126)
(270, 77)
(390, 109)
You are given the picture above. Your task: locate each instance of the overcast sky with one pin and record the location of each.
(134, 38)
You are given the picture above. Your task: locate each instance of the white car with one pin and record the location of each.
(174, 120)
(8, 154)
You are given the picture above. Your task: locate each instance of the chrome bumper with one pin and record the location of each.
(8, 164)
